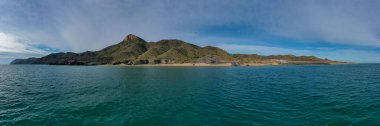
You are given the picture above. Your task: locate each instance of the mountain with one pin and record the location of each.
(134, 50)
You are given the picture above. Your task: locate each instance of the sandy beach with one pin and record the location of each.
(192, 64)
(182, 64)
(211, 65)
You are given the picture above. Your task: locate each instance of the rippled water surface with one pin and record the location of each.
(108, 95)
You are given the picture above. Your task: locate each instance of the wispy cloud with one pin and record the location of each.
(12, 47)
(79, 25)
(11, 44)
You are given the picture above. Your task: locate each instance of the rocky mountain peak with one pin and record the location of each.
(131, 37)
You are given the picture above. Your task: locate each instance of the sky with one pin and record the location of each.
(343, 30)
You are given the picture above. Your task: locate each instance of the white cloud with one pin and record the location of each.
(11, 44)
(75, 25)
(90, 25)
(12, 47)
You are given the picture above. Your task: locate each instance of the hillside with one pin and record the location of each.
(134, 50)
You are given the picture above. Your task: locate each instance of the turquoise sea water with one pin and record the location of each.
(271, 95)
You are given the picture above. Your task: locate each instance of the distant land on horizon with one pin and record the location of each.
(134, 50)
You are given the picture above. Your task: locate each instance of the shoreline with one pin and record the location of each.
(217, 65)
(189, 65)
(177, 64)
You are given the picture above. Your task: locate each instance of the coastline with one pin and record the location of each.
(177, 64)
(190, 65)
(216, 65)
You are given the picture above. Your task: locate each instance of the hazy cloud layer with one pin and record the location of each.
(277, 25)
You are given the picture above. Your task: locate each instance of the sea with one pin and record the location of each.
(309, 95)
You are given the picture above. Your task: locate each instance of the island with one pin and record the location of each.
(135, 51)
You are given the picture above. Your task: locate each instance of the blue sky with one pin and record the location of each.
(345, 30)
